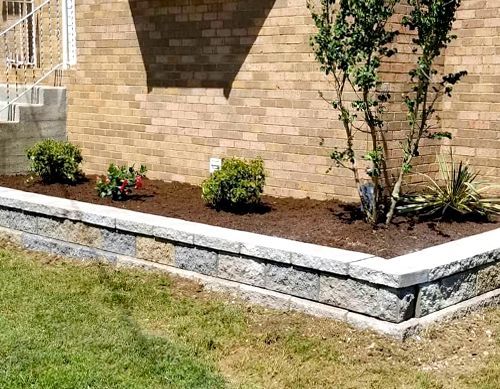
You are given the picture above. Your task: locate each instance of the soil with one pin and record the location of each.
(329, 223)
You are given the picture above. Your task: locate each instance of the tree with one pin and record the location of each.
(431, 20)
(351, 43)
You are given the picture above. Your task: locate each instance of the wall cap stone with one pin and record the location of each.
(432, 263)
(279, 250)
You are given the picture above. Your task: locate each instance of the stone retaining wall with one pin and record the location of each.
(390, 290)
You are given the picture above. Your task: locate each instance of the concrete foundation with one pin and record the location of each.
(36, 116)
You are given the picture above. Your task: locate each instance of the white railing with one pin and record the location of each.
(13, 10)
(34, 47)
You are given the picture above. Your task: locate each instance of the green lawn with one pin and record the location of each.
(70, 325)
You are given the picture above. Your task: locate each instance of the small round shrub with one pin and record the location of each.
(237, 185)
(55, 161)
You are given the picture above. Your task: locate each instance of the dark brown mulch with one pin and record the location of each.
(329, 223)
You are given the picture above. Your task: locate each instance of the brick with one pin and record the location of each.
(246, 84)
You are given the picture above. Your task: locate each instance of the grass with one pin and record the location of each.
(71, 325)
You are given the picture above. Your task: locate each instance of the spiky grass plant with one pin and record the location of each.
(459, 194)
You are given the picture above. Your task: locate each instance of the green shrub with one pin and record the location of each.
(460, 194)
(237, 185)
(120, 181)
(55, 161)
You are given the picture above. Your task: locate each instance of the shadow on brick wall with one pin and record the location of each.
(196, 43)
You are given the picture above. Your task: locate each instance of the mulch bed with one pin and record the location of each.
(329, 223)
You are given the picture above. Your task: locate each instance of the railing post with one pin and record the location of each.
(68, 33)
(51, 23)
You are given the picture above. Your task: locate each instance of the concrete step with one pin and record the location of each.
(42, 103)
(29, 97)
(40, 115)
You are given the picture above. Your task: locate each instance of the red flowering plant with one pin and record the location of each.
(120, 181)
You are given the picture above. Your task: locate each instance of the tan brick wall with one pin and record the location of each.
(473, 113)
(35, 41)
(171, 84)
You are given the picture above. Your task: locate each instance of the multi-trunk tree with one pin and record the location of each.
(353, 39)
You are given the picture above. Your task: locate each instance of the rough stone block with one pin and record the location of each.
(80, 233)
(155, 250)
(389, 304)
(48, 245)
(25, 222)
(245, 270)
(17, 220)
(293, 281)
(201, 261)
(12, 236)
(474, 261)
(6, 217)
(447, 291)
(488, 279)
(70, 231)
(118, 242)
(49, 227)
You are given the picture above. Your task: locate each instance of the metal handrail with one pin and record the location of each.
(24, 18)
(29, 49)
(30, 89)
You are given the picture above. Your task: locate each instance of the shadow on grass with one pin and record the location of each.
(74, 327)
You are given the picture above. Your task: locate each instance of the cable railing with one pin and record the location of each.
(33, 48)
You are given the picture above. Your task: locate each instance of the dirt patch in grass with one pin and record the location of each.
(329, 223)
